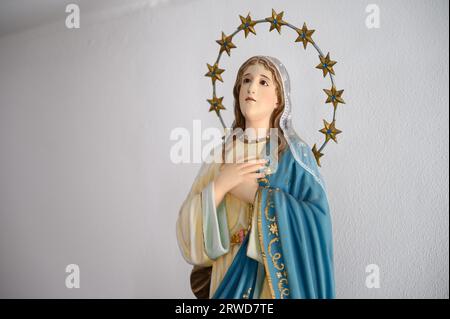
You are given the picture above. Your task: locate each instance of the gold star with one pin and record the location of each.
(226, 44)
(216, 104)
(214, 73)
(334, 96)
(273, 229)
(247, 24)
(330, 131)
(276, 21)
(317, 154)
(326, 64)
(304, 35)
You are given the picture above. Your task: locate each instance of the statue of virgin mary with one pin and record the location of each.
(259, 232)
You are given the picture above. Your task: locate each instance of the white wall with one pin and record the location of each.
(85, 119)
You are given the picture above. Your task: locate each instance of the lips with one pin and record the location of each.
(250, 99)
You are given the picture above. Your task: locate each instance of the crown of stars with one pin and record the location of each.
(214, 73)
(326, 64)
(334, 96)
(330, 131)
(216, 104)
(226, 44)
(304, 35)
(276, 21)
(247, 24)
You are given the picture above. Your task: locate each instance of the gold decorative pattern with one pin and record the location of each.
(261, 242)
(238, 237)
(273, 228)
(284, 291)
(274, 257)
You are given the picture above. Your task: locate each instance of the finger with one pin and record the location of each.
(254, 176)
(243, 159)
(253, 162)
(251, 168)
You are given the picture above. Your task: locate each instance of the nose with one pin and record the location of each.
(251, 88)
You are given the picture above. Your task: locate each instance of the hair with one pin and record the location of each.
(239, 119)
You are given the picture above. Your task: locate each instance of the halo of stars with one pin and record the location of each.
(304, 36)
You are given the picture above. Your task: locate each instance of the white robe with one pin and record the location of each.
(204, 231)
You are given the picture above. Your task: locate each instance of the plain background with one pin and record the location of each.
(86, 115)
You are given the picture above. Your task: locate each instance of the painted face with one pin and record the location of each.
(257, 97)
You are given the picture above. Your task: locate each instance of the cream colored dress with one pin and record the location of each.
(205, 233)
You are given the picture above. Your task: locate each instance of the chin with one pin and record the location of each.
(249, 114)
(253, 117)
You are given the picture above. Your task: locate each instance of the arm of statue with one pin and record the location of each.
(202, 229)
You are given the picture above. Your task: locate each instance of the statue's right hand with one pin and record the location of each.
(232, 174)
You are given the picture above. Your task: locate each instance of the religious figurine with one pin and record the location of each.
(251, 229)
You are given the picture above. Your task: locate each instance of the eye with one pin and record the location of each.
(264, 82)
(246, 80)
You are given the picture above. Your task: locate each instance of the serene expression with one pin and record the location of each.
(257, 96)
